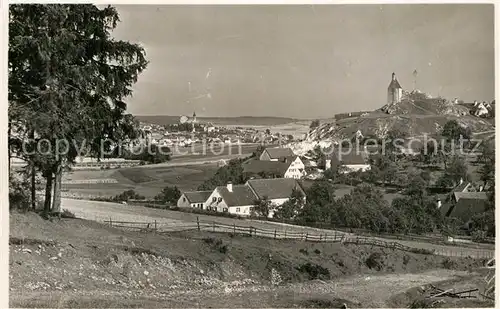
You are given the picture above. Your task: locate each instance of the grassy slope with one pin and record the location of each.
(88, 264)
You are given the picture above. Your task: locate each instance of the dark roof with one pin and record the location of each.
(197, 196)
(395, 84)
(465, 208)
(470, 195)
(349, 157)
(461, 187)
(241, 195)
(276, 153)
(274, 188)
(278, 168)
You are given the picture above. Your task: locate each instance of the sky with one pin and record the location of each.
(305, 61)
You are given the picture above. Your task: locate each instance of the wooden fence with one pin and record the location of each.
(335, 237)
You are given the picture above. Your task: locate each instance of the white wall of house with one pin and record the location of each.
(296, 169)
(216, 201)
(355, 167)
(241, 210)
(184, 202)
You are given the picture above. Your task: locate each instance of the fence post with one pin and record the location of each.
(234, 228)
(155, 227)
(307, 234)
(110, 222)
(213, 225)
(285, 234)
(250, 230)
(198, 222)
(274, 234)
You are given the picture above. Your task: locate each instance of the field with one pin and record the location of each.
(145, 181)
(103, 211)
(87, 264)
(186, 171)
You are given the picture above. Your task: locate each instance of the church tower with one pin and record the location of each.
(394, 91)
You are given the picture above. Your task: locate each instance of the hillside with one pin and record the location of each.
(417, 114)
(77, 263)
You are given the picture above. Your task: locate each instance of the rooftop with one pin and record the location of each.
(278, 152)
(274, 188)
(241, 195)
(197, 196)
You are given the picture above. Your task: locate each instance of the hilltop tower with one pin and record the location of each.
(394, 91)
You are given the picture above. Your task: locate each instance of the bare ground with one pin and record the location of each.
(79, 263)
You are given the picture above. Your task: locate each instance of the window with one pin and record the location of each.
(237, 209)
(220, 199)
(184, 199)
(214, 199)
(225, 210)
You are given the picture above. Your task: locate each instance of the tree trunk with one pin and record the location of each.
(48, 193)
(33, 178)
(56, 204)
(33, 187)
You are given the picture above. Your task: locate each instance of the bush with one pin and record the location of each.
(314, 271)
(422, 251)
(449, 263)
(375, 261)
(406, 259)
(317, 251)
(19, 192)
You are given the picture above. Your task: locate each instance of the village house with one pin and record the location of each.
(285, 167)
(194, 199)
(240, 199)
(274, 154)
(463, 202)
(348, 161)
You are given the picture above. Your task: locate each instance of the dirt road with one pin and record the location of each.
(367, 291)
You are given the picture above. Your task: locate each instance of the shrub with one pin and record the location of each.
(422, 251)
(375, 261)
(449, 263)
(304, 251)
(317, 251)
(314, 271)
(406, 259)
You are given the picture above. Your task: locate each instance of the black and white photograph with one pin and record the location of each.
(315, 155)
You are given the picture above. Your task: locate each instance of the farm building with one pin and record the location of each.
(348, 161)
(464, 205)
(195, 199)
(240, 199)
(274, 154)
(285, 167)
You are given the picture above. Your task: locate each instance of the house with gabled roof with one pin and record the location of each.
(348, 160)
(240, 199)
(284, 167)
(275, 153)
(464, 205)
(195, 199)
